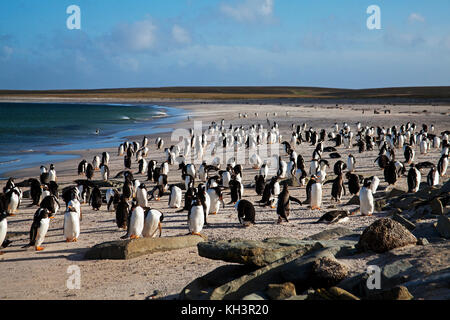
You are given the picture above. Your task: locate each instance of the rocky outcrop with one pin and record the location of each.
(384, 235)
(129, 249)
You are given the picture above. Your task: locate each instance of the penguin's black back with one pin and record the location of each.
(246, 211)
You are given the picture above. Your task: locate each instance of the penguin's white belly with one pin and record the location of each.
(137, 222)
(141, 196)
(71, 225)
(366, 201)
(374, 185)
(151, 224)
(13, 204)
(42, 231)
(276, 189)
(175, 199)
(3, 230)
(316, 195)
(196, 219)
(418, 179)
(226, 180)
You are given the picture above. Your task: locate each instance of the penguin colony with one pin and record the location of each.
(201, 189)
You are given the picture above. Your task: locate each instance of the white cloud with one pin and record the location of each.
(415, 17)
(249, 10)
(135, 37)
(180, 35)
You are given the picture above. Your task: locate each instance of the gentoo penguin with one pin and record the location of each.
(202, 173)
(246, 212)
(226, 178)
(175, 197)
(141, 196)
(282, 168)
(216, 198)
(259, 184)
(160, 144)
(122, 212)
(237, 190)
(189, 197)
(334, 217)
(316, 193)
(283, 204)
(443, 165)
(196, 217)
(424, 145)
(127, 162)
(82, 167)
(3, 228)
(337, 188)
(13, 198)
(50, 203)
(52, 173)
(89, 171)
(127, 190)
(112, 198)
(264, 171)
(414, 177)
(152, 223)
(72, 223)
(205, 200)
(104, 171)
(105, 158)
(353, 183)
(44, 177)
(95, 200)
(351, 162)
(366, 202)
(382, 161)
(164, 168)
(39, 229)
(96, 163)
(43, 169)
(136, 222)
(255, 161)
(339, 167)
(121, 150)
(144, 142)
(433, 177)
(374, 183)
(390, 173)
(409, 154)
(151, 169)
(35, 191)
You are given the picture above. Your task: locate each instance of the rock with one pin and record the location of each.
(353, 201)
(395, 273)
(420, 212)
(395, 192)
(436, 207)
(406, 203)
(333, 293)
(298, 298)
(334, 233)
(255, 297)
(384, 235)
(443, 226)
(256, 253)
(328, 272)
(129, 249)
(434, 286)
(397, 293)
(281, 291)
(422, 242)
(201, 288)
(379, 205)
(405, 222)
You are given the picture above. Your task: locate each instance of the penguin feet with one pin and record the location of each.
(11, 214)
(133, 236)
(316, 208)
(214, 213)
(39, 248)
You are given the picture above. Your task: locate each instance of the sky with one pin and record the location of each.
(157, 43)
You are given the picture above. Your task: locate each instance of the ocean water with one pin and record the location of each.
(30, 132)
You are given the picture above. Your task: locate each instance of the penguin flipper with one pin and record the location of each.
(295, 200)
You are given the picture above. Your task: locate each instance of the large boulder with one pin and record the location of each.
(328, 272)
(384, 235)
(129, 249)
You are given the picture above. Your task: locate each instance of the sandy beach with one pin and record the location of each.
(34, 275)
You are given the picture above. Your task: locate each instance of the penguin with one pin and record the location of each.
(127, 190)
(189, 181)
(142, 196)
(90, 171)
(104, 171)
(443, 165)
(136, 222)
(35, 191)
(338, 188)
(72, 223)
(53, 188)
(374, 183)
(39, 228)
(216, 198)
(95, 200)
(82, 167)
(196, 218)
(433, 177)
(409, 154)
(366, 201)
(3, 228)
(175, 197)
(382, 161)
(122, 212)
(390, 173)
(13, 198)
(202, 173)
(121, 150)
(353, 183)
(264, 171)
(151, 169)
(112, 198)
(96, 163)
(237, 190)
(44, 177)
(246, 212)
(339, 167)
(43, 169)
(127, 162)
(50, 203)
(160, 143)
(283, 204)
(334, 217)
(105, 158)
(152, 223)
(282, 168)
(226, 178)
(351, 162)
(414, 177)
(259, 184)
(316, 194)
(144, 142)
(205, 200)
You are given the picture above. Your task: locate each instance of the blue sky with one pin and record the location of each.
(153, 43)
